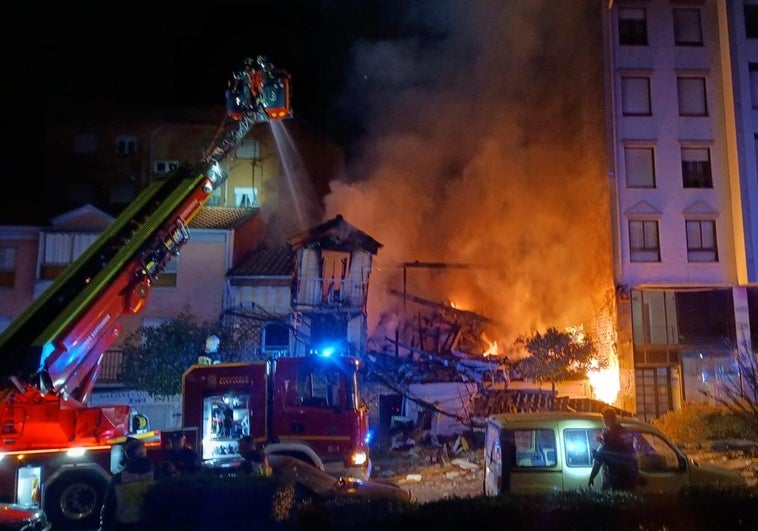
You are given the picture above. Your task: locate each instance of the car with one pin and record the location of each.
(15, 517)
(554, 451)
(320, 486)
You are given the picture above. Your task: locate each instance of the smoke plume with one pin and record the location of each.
(485, 146)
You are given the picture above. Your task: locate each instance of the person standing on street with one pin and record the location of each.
(184, 458)
(615, 455)
(124, 496)
(255, 459)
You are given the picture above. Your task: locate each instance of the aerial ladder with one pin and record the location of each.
(51, 354)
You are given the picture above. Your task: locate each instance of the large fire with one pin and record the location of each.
(518, 194)
(605, 381)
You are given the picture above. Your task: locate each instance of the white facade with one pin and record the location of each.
(682, 108)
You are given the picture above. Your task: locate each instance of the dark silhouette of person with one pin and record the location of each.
(615, 455)
(124, 496)
(255, 461)
(184, 459)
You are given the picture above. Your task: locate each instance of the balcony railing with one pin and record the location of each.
(318, 291)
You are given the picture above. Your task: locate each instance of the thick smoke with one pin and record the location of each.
(485, 146)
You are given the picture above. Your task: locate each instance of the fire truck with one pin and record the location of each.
(307, 407)
(56, 452)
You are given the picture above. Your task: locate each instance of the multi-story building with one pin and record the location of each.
(107, 157)
(682, 117)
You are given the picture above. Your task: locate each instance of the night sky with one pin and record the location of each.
(160, 56)
(167, 56)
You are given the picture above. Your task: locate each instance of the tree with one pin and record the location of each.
(557, 357)
(738, 392)
(156, 357)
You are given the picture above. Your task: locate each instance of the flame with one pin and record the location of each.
(606, 383)
(576, 333)
(492, 350)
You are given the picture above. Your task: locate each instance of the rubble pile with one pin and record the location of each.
(433, 473)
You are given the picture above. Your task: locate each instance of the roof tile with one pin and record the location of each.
(265, 261)
(212, 217)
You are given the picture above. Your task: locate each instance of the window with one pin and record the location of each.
(635, 96)
(696, 168)
(579, 445)
(640, 167)
(249, 149)
(687, 27)
(701, 241)
(535, 448)
(654, 393)
(321, 386)
(245, 197)
(750, 11)
(276, 336)
(7, 267)
(691, 93)
(632, 26)
(165, 166)
(654, 454)
(754, 85)
(60, 249)
(126, 145)
(85, 144)
(644, 245)
(715, 373)
(215, 198)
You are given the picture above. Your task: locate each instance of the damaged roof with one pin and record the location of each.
(335, 235)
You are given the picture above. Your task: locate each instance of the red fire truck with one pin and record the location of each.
(55, 451)
(307, 407)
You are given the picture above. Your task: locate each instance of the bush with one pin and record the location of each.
(204, 503)
(698, 422)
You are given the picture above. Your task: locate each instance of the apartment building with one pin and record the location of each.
(682, 137)
(96, 164)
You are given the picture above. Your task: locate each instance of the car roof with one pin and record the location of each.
(547, 419)
(542, 416)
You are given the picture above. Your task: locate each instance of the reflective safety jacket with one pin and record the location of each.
(122, 506)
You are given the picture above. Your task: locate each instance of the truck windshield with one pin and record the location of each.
(327, 385)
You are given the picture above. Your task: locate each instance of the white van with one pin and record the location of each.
(545, 452)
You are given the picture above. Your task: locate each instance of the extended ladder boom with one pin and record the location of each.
(56, 345)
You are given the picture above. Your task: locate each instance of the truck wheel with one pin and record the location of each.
(74, 500)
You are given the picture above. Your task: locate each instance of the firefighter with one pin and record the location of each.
(124, 496)
(255, 459)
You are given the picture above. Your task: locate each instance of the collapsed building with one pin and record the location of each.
(432, 373)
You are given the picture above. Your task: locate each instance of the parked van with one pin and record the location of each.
(545, 452)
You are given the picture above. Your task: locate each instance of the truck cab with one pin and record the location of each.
(554, 452)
